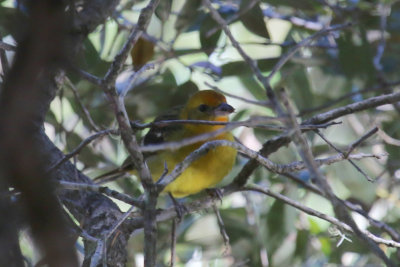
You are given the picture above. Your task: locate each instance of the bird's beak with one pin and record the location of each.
(223, 109)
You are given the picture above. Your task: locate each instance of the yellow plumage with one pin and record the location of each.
(207, 170)
(203, 173)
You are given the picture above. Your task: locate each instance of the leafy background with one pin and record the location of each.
(262, 230)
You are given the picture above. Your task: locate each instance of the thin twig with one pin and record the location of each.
(258, 121)
(356, 143)
(346, 96)
(288, 55)
(88, 76)
(340, 210)
(271, 166)
(129, 139)
(101, 189)
(98, 255)
(206, 136)
(120, 58)
(235, 17)
(388, 139)
(175, 223)
(4, 61)
(250, 62)
(7, 46)
(253, 122)
(81, 146)
(345, 155)
(277, 142)
(134, 78)
(298, 21)
(318, 214)
(207, 202)
(304, 127)
(368, 103)
(385, 12)
(222, 229)
(119, 222)
(254, 102)
(81, 105)
(381, 225)
(104, 259)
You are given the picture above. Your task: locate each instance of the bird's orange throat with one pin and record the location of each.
(197, 129)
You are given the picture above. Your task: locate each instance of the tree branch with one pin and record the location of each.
(340, 210)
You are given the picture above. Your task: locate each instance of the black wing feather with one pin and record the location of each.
(158, 133)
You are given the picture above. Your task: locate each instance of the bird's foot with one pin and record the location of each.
(180, 209)
(215, 193)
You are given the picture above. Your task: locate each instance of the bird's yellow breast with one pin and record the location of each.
(205, 172)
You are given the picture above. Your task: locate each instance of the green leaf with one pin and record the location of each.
(302, 240)
(235, 224)
(158, 96)
(242, 68)
(240, 115)
(182, 93)
(188, 87)
(304, 5)
(253, 19)
(253, 86)
(86, 155)
(208, 43)
(300, 89)
(187, 15)
(163, 9)
(90, 60)
(393, 23)
(355, 55)
(275, 224)
(393, 130)
(10, 21)
(325, 245)
(314, 226)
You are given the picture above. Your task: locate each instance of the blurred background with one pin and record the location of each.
(185, 50)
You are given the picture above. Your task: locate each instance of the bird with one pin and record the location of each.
(206, 171)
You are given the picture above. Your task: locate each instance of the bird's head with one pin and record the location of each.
(207, 105)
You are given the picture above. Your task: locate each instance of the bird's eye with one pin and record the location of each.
(203, 107)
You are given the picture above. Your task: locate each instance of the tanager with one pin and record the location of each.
(206, 171)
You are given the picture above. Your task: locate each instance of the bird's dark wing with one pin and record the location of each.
(157, 134)
(160, 133)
